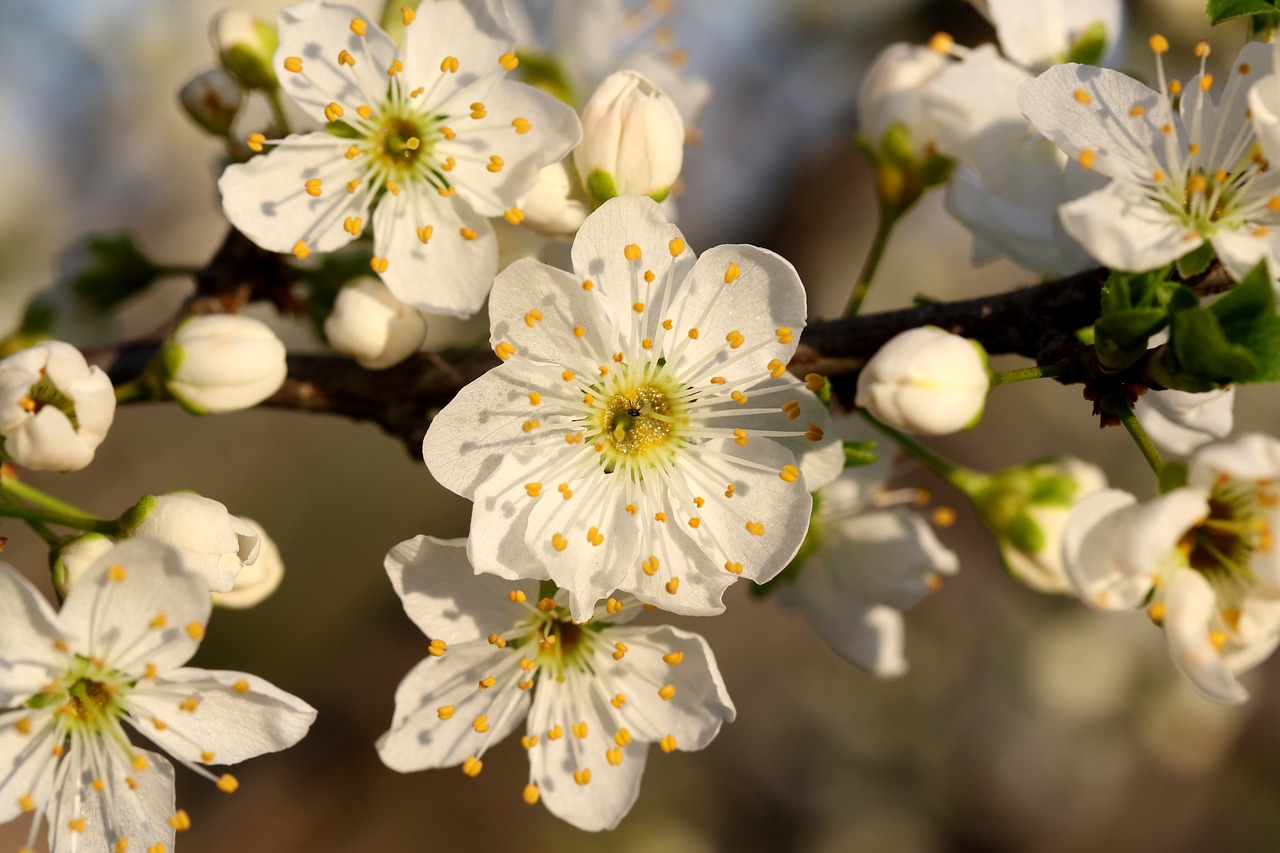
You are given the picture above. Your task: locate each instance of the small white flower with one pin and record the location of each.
(1201, 559)
(428, 141)
(868, 564)
(259, 577)
(1178, 180)
(222, 363)
(1180, 421)
(632, 140)
(115, 655)
(54, 408)
(214, 543)
(371, 325)
(1040, 33)
(893, 91)
(595, 695)
(643, 433)
(245, 44)
(926, 381)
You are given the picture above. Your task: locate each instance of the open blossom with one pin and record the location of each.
(868, 563)
(115, 655)
(54, 408)
(1201, 559)
(643, 433)
(427, 142)
(595, 695)
(1179, 179)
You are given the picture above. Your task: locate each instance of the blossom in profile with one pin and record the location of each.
(424, 144)
(595, 695)
(927, 381)
(219, 363)
(643, 433)
(1181, 179)
(115, 654)
(1201, 560)
(54, 408)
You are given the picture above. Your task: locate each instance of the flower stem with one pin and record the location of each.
(1007, 377)
(1140, 438)
(889, 217)
(277, 111)
(35, 516)
(12, 488)
(134, 390)
(964, 479)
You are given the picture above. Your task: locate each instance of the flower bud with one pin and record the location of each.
(213, 542)
(72, 559)
(1026, 507)
(259, 578)
(222, 363)
(892, 94)
(54, 408)
(926, 381)
(212, 99)
(553, 207)
(245, 45)
(374, 327)
(632, 140)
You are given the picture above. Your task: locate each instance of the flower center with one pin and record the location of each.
(45, 393)
(637, 420)
(399, 143)
(1222, 545)
(87, 700)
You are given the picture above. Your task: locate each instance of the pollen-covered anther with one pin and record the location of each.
(619, 651)
(613, 606)
(941, 43)
(478, 110)
(666, 691)
(468, 234)
(1159, 44)
(301, 250)
(739, 398)
(180, 820)
(1197, 184)
(345, 58)
(583, 776)
(555, 732)
(559, 542)
(514, 215)
(195, 630)
(521, 125)
(614, 756)
(495, 163)
(293, 64)
(359, 26)
(379, 265)
(228, 784)
(546, 605)
(784, 334)
(649, 276)
(353, 225)
(668, 743)
(486, 682)
(1088, 157)
(650, 565)
(595, 537)
(472, 766)
(504, 350)
(395, 67)
(1082, 96)
(1137, 111)
(449, 65)
(672, 586)
(530, 426)
(424, 233)
(333, 111)
(732, 272)
(755, 528)
(814, 433)
(480, 724)
(437, 647)
(637, 307)
(516, 596)
(255, 142)
(789, 474)
(735, 339)
(530, 794)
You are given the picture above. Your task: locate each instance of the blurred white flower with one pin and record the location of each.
(554, 207)
(115, 655)
(245, 45)
(1039, 33)
(595, 695)
(222, 363)
(926, 381)
(54, 408)
(632, 140)
(892, 93)
(1201, 559)
(434, 134)
(71, 560)
(642, 433)
(1180, 421)
(371, 325)
(213, 542)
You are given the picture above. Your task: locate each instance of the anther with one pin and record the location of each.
(732, 272)
(672, 585)
(1088, 157)
(345, 58)
(424, 233)
(478, 111)
(1159, 44)
(509, 61)
(521, 125)
(472, 766)
(1082, 96)
(437, 647)
(583, 776)
(301, 250)
(358, 26)
(789, 474)
(530, 794)
(379, 265)
(468, 233)
(559, 542)
(668, 743)
(228, 784)
(449, 65)
(673, 658)
(293, 64)
(255, 141)
(333, 111)
(676, 247)
(666, 692)
(407, 15)
(784, 334)
(395, 68)
(516, 596)
(504, 350)
(755, 528)
(631, 252)
(514, 215)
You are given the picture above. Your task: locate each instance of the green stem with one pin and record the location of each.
(1140, 438)
(1022, 374)
(14, 488)
(277, 111)
(889, 217)
(134, 390)
(50, 538)
(34, 516)
(964, 479)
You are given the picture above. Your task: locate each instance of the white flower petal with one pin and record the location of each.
(1253, 456)
(475, 33)
(1124, 230)
(27, 655)
(1190, 604)
(266, 198)
(154, 611)
(444, 596)
(26, 761)
(1153, 529)
(821, 461)
(1264, 100)
(140, 815)
(1179, 421)
(1089, 553)
(237, 715)
(1241, 249)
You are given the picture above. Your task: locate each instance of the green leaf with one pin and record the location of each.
(1121, 337)
(1226, 10)
(1247, 315)
(1204, 352)
(1089, 45)
(859, 453)
(1196, 261)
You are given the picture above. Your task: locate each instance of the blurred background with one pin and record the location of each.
(1025, 723)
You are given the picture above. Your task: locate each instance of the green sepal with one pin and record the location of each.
(1025, 534)
(1196, 261)
(107, 269)
(1173, 475)
(1089, 45)
(600, 187)
(660, 195)
(937, 170)
(136, 514)
(1206, 357)
(1134, 307)
(859, 453)
(1227, 10)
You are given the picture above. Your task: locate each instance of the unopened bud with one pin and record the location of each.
(926, 381)
(632, 140)
(372, 326)
(222, 363)
(212, 99)
(245, 45)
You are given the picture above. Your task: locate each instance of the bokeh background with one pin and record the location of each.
(1025, 723)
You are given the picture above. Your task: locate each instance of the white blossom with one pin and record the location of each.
(632, 139)
(926, 381)
(72, 560)
(1179, 179)
(371, 325)
(643, 434)
(595, 695)
(1200, 559)
(115, 655)
(54, 408)
(1180, 421)
(428, 142)
(222, 363)
(214, 543)
(1039, 33)
(245, 45)
(259, 577)
(556, 206)
(893, 91)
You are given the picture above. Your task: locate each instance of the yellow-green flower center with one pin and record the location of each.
(637, 420)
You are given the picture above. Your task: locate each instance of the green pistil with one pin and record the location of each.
(1222, 545)
(45, 393)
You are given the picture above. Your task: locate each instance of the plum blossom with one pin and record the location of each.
(595, 694)
(642, 433)
(426, 142)
(54, 408)
(926, 380)
(114, 655)
(1180, 421)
